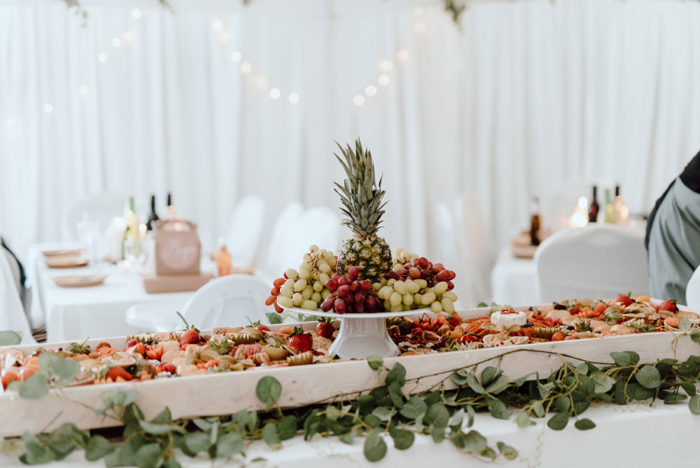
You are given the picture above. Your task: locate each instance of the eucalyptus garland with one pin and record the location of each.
(376, 414)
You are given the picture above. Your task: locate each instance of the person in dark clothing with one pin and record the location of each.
(673, 235)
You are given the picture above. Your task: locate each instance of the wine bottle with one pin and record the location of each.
(622, 212)
(609, 209)
(594, 207)
(535, 222)
(153, 217)
(131, 244)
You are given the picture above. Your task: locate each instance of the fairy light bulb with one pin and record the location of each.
(420, 27)
(402, 55)
(383, 80)
(236, 56)
(48, 108)
(102, 57)
(136, 13)
(116, 42)
(358, 100)
(129, 36)
(293, 98)
(386, 65)
(246, 67)
(83, 90)
(275, 93)
(371, 90)
(218, 24)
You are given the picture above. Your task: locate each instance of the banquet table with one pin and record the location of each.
(633, 435)
(95, 311)
(514, 280)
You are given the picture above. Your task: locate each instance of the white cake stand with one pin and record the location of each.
(362, 335)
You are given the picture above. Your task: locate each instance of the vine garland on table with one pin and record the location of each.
(372, 413)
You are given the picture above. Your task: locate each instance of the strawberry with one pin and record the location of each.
(669, 306)
(167, 367)
(300, 341)
(600, 308)
(190, 336)
(325, 327)
(625, 300)
(454, 321)
(117, 371)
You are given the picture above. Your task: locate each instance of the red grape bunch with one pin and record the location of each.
(351, 295)
(407, 265)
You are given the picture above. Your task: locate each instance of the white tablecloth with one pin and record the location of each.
(514, 280)
(96, 311)
(634, 435)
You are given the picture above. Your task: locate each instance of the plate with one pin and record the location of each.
(54, 253)
(65, 261)
(79, 281)
(373, 315)
(523, 251)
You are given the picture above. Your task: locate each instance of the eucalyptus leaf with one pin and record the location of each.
(375, 362)
(274, 318)
(396, 395)
(648, 376)
(402, 439)
(229, 444)
(149, 456)
(498, 409)
(268, 391)
(348, 438)
(437, 415)
(625, 358)
(474, 442)
(460, 377)
(684, 324)
(97, 448)
(509, 452)
(396, 374)
(197, 442)
(160, 429)
(270, 436)
(489, 375)
(694, 404)
(603, 383)
(562, 403)
(538, 409)
(524, 421)
(584, 424)
(695, 335)
(488, 452)
(673, 398)
(558, 421)
(413, 408)
(375, 447)
(474, 384)
(438, 434)
(10, 338)
(383, 413)
(35, 387)
(287, 428)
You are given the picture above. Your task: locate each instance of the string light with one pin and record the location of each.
(136, 13)
(82, 90)
(358, 100)
(275, 93)
(386, 65)
(102, 57)
(48, 108)
(246, 67)
(293, 98)
(129, 36)
(383, 80)
(370, 90)
(261, 82)
(223, 36)
(236, 56)
(218, 24)
(402, 55)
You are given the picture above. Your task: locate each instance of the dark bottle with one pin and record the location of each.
(153, 217)
(594, 207)
(535, 222)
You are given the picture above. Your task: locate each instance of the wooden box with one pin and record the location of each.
(226, 393)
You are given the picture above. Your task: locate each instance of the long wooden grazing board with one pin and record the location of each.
(227, 393)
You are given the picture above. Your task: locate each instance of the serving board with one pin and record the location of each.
(227, 393)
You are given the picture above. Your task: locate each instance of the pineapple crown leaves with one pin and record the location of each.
(360, 194)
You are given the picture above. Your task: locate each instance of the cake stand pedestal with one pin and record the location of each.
(362, 335)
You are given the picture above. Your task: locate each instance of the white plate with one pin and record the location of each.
(369, 315)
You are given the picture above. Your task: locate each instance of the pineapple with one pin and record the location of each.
(362, 205)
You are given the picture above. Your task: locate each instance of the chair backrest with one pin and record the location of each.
(593, 262)
(12, 315)
(286, 223)
(450, 255)
(692, 291)
(474, 245)
(228, 301)
(108, 205)
(243, 237)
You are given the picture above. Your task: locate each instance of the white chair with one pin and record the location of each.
(450, 255)
(474, 245)
(107, 205)
(12, 315)
(283, 237)
(232, 301)
(692, 291)
(596, 262)
(243, 237)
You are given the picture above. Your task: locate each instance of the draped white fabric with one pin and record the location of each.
(521, 99)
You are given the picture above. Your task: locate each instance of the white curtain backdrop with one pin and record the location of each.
(519, 100)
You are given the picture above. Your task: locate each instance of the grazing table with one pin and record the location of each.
(624, 436)
(95, 311)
